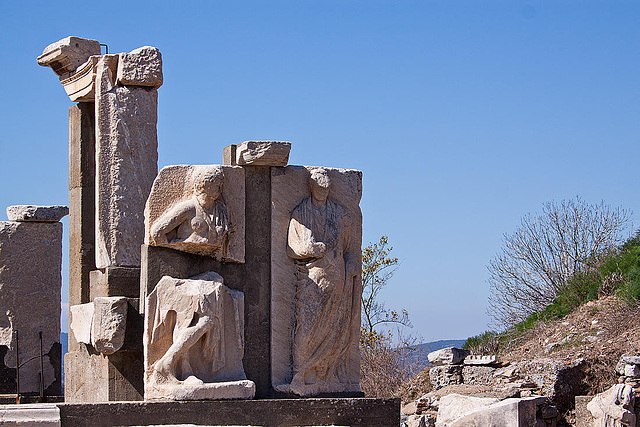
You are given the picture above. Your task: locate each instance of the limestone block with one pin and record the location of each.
(199, 210)
(81, 319)
(632, 371)
(126, 165)
(30, 282)
(614, 407)
(447, 356)
(39, 414)
(36, 213)
(315, 279)
(109, 324)
(66, 55)
(141, 67)
(631, 360)
(194, 341)
(263, 153)
(456, 410)
(480, 360)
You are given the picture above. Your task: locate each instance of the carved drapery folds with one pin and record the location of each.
(317, 287)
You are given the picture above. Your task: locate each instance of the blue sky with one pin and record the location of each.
(463, 115)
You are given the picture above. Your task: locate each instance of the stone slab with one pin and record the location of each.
(32, 213)
(583, 416)
(66, 55)
(290, 186)
(480, 360)
(126, 162)
(447, 356)
(141, 67)
(81, 319)
(174, 187)
(30, 282)
(262, 153)
(31, 414)
(115, 281)
(456, 410)
(363, 412)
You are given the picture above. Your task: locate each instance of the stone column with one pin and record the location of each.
(112, 161)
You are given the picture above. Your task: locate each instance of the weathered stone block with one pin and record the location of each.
(480, 360)
(115, 281)
(32, 213)
(109, 324)
(66, 55)
(198, 209)
(126, 160)
(316, 279)
(30, 281)
(81, 319)
(141, 67)
(459, 411)
(447, 356)
(263, 153)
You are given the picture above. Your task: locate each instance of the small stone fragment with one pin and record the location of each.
(31, 213)
(109, 323)
(81, 318)
(141, 67)
(447, 356)
(263, 153)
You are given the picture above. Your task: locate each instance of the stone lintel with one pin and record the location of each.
(358, 412)
(262, 153)
(115, 281)
(32, 213)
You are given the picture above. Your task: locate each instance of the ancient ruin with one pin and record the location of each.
(30, 282)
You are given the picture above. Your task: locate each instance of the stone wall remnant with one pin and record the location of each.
(30, 283)
(194, 341)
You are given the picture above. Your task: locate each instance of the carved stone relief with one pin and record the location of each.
(316, 280)
(614, 407)
(194, 340)
(198, 209)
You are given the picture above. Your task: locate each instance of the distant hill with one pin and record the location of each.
(64, 340)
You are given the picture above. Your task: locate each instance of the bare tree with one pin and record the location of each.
(378, 267)
(545, 251)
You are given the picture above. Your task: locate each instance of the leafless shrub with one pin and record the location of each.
(545, 251)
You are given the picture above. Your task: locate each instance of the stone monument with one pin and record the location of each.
(112, 164)
(30, 281)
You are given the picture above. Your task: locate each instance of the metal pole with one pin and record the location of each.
(17, 368)
(41, 370)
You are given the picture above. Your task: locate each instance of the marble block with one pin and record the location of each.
(175, 212)
(126, 165)
(194, 341)
(66, 55)
(81, 320)
(263, 153)
(101, 323)
(141, 67)
(30, 282)
(316, 280)
(37, 213)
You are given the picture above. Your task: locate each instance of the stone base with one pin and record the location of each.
(243, 389)
(364, 412)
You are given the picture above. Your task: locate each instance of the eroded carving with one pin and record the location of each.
(194, 340)
(198, 221)
(327, 293)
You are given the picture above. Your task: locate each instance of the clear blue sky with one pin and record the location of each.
(463, 115)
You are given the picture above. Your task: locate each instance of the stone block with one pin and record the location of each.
(81, 318)
(447, 356)
(40, 414)
(262, 153)
(115, 281)
(126, 162)
(266, 412)
(31, 213)
(30, 282)
(315, 279)
(109, 324)
(632, 371)
(631, 360)
(229, 155)
(66, 55)
(614, 407)
(141, 67)
(194, 340)
(480, 360)
(583, 416)
(175, 211)
(458, 411)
